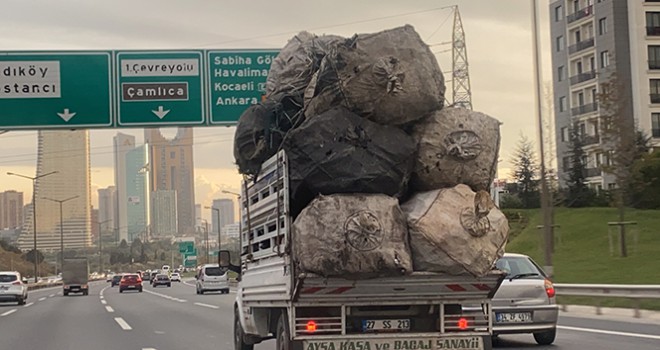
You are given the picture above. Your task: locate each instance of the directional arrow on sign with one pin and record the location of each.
(67, 115)
(160, 113)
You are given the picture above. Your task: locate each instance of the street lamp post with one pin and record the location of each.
(34, 214)
(61, 202)
(217, 217)
(240, 220)
(101, 245)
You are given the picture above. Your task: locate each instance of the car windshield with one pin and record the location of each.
(7, 278)
(519, 267)
(214, 271)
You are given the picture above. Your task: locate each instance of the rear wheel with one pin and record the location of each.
(85, 292)
(121, 290)
(545, 338)
(65, 293)
(21, 301)
(201, 291)
(239, 335)
(283, 336)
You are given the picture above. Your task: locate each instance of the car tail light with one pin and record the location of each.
(549, 289)
(311, 326)
(17, 283)
(462, 323)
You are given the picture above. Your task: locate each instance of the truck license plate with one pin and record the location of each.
(386, 325)
(513, 317)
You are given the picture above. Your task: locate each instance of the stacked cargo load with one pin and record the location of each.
(383, 179)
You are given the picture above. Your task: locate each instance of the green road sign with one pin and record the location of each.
(159, 88)
(236, 80)
(186, 247)
(189, 253)
(40, 90)
(190, 261)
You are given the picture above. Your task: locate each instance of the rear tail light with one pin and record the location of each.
(311, 326)
(549, 289)
(17, 283)
(462, 323)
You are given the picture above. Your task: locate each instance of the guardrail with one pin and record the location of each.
(634, 292)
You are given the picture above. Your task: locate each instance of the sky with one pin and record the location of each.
(498, 37)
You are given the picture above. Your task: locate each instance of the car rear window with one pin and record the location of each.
(214, 271)
(519, 266)
(8, 278)
(162, 277)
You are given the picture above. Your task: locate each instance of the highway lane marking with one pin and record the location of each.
(600, 331)
(28, 304)
(103, 290)
(166, 296)
(103, 302)
(9, 312)
(42, 299)
(52, 295)
(207, 305)
(148, 348)
(109, 309)
(120, 321)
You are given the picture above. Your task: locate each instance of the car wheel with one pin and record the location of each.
(169, 284)
(545, 338)
(121, 290)
(226, 291)
(140, 290)
(239, 335)
(21, 301)
(65, 293)
(282, 334)
(86, 292)
(201, 291)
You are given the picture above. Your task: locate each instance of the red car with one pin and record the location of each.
(130, 282)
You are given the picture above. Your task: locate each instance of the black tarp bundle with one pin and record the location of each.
(340, 152)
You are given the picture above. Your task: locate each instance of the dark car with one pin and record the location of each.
(162, 280)
(130, 282)
(153, 276)
(115, 280)
(146, 276)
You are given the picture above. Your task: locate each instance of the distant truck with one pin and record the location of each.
(75, 275)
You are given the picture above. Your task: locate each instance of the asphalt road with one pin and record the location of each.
(176, 318)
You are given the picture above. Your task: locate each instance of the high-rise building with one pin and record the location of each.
(137, 194)
(95, 226)
(107, 211)
(122, 145)
(163, 214)
(11, 209)
(172, 168)
(66, 152)
(590, 41)
(224, 215)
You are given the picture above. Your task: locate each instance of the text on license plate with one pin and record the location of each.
(513, 317)
(386, 325)
(457, 343)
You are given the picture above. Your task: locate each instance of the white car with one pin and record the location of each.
(12, 287)
(175, 277)
(211, 277)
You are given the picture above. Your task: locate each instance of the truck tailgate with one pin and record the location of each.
(418, 286)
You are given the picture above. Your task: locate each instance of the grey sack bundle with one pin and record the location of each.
(455, 230)
(352, 236)
(390, 77)
(456, 146)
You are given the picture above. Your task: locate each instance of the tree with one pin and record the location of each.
(646, 182)
(525, 169)
(123, 244)
(29, 256)
(578, 194)
(621, 142)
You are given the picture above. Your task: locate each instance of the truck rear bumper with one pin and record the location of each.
(398, 342)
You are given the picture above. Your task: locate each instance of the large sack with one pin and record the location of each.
(456, 146)
(455, 230)
(340, 152)
(352, 236)
(262, 128)
(390, 77)
(293, 68)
